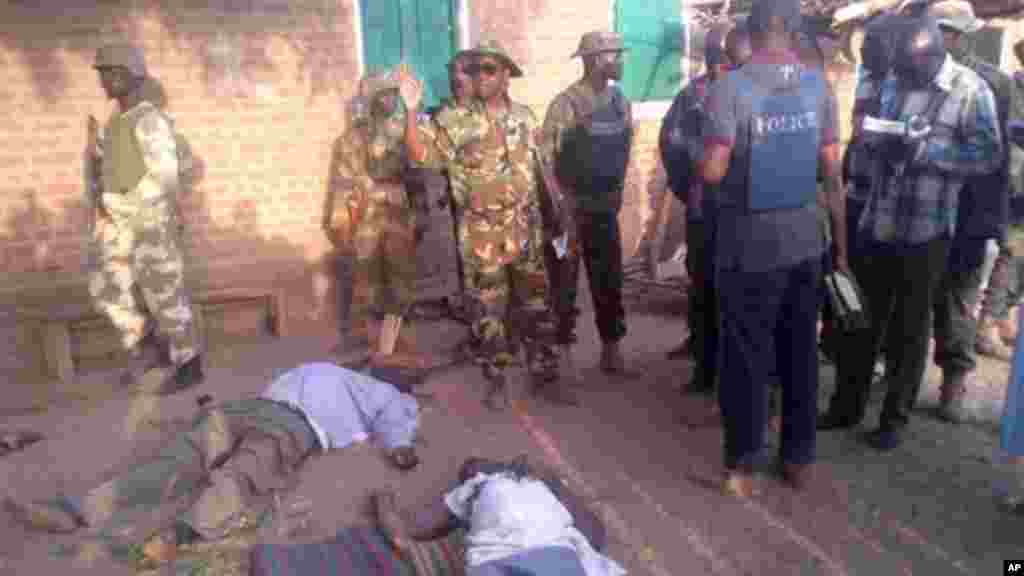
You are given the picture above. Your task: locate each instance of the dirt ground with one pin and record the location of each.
(926, 508)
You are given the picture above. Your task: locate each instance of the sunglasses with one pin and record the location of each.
(487, 69)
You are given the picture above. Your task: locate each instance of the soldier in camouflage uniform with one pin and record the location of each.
(489, 150)
(139, 282)
(463, 91)
(995, 330)
(369, 215)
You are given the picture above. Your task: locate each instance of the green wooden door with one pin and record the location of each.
(651, 31)
(420, 31)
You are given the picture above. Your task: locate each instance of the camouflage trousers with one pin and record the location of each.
(215, 476)
(384, 269)
(138, 282)
(507, 303)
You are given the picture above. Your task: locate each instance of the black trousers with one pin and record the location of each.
(899, 283)
(768, 338)
(702, 303)
(600, 248)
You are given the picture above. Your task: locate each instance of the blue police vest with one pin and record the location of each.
(783, 142)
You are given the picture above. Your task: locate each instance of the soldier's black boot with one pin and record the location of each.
(167, 380)
(147, 355)
(497, 399)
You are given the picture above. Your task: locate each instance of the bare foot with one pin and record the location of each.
(388, 518)
(739, 485)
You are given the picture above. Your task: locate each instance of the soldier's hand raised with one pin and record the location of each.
(92, 133)
(410, 88)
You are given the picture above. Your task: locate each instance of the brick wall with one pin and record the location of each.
(258, 89)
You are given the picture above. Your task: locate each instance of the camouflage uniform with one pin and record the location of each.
(140, 247)
(370, 214)
(500, 234)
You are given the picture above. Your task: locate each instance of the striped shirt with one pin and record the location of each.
(920, 203)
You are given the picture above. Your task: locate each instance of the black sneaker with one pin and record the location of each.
(168, 380)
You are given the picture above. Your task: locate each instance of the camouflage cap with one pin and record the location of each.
(121, 56)
(376, 82)
(597, 42)
(955, 14)
(495, 49)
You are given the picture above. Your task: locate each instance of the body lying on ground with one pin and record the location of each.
(223, 471)
(520, 518)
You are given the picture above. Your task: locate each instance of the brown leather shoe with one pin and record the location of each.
(951, 397)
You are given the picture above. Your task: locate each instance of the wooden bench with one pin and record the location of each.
(57, 323)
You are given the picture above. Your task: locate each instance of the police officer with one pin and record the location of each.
(370, 216)
(950, 132)
(489, 150)
(681, 143)
(587, 137)
(136, 234)
(769, 126)
(982, 216)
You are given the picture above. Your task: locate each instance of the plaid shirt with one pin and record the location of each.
(919, 204)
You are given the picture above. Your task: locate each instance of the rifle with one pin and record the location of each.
(556, 212)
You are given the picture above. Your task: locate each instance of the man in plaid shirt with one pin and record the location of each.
(953, 133)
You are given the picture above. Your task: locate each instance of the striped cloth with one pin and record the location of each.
(362, 550)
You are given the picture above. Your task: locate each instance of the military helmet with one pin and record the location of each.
(955, 14)
(598, 42)
(919, 51)
(121, 56)
(375, 83)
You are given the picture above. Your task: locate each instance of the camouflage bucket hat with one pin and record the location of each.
(955, 14)
(375, 83)
(495, 49)
(598, 42)
(121, 56)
